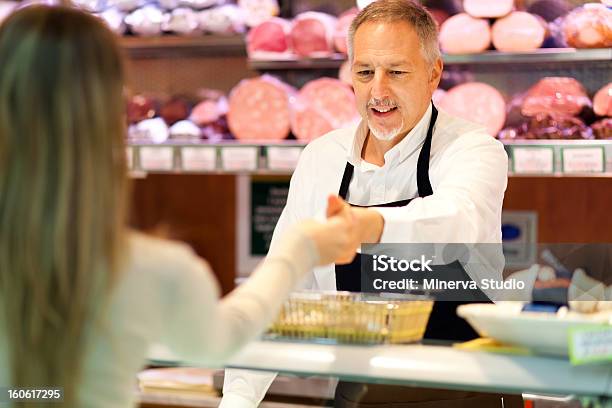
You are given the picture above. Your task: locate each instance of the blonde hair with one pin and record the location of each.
(390, 11)
(63, 187)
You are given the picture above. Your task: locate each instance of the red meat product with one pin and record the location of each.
(259, 109)
(477, 102)
(555, 95)
(322, 105)
(463, 34)
(271, 36)
(341, 31)
(589, 27)
(602, 129)
(518, 32)
(312, 34)
(602, 102)
(488, 8)
(437, 96)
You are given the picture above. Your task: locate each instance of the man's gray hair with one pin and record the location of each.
(391, 11)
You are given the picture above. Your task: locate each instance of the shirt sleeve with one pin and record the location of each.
(246, 388)
(205, 330)
(465, 206)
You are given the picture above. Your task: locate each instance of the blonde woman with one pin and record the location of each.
(81, 298)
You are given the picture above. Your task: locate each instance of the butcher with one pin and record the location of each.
(409, 173)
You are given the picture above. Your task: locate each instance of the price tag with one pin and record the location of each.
(199, 158)
(590, 344)
(242, 158)
(129, 157)
(532, 159)
(583, 159)
(157, 158)
(283, 158)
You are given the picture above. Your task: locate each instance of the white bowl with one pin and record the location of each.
(544, 333)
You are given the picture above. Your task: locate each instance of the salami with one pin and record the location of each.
(518, 32)
(312, 34)
(462, 34)
(488, 8)
(561, 95)
(259, 109)
(268, 37)
(477, 102)
(322, 105)
(602, 102)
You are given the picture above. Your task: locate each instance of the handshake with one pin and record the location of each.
(345, 229)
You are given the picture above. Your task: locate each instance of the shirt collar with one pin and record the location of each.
(409, 144)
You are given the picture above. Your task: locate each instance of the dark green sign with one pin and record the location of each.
(268, 199)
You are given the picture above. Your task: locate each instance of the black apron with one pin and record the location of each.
(444, 324)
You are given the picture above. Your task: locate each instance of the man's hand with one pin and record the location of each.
(368, 224)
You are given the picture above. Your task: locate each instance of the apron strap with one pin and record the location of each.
(423, 183)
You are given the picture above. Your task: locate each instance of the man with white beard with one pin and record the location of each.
(426, 177)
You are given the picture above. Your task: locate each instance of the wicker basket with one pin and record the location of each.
(346, 317)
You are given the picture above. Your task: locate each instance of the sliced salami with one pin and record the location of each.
(560, 95)
(488, 8)
(322, 105)
(518, 32)
(259, 109)
(271, 36)
(312, 34)
(602, 102)
(463, 34)
(477, 102)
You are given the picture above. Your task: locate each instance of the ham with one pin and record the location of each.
(321, 106)
(268, 37)
(463, 34)
(259, 109)
(488, 8)
(312, 34)
(518, 32)
(341, 30)
(477, 102)
(560, 95)
(589, 27)
(602, 102)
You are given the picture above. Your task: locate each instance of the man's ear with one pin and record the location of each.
(436, 74)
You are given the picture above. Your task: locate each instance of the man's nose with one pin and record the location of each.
(380, 85)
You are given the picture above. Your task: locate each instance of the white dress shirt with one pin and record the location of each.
(468, 170)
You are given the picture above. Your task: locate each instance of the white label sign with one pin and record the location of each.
(199, 158)
(583, 159)
(283, 158)
(590, 344)
(239, 158)
(157, 158)
(129, 157)
(533, 160)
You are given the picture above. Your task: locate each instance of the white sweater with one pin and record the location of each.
(168, 295)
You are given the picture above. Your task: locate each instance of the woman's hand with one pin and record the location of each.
(333, 238)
